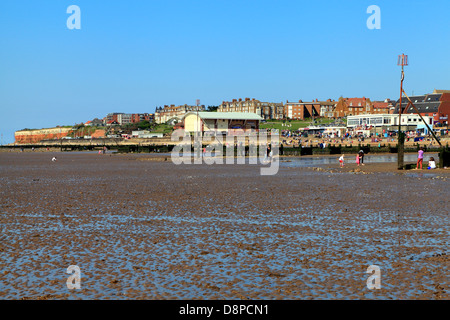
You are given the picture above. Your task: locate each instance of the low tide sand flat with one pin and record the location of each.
(155, 230)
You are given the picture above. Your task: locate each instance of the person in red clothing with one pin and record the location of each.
(420, 158)
(341, 161)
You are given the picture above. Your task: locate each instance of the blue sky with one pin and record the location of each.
(131, 56)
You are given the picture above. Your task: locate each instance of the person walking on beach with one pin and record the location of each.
(358, 159)
(420, 158)
(341, 161)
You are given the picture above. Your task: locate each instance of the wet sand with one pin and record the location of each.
(154, 230)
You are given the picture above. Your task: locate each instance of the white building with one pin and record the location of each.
(388, 122)
(145, 134)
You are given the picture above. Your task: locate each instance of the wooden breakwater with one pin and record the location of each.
(165, 145)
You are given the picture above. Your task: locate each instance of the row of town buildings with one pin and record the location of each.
(161, 115)
(120, 118)
(429, 111)
(289, 110)
(436, 105)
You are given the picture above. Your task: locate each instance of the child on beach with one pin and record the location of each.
(358, 159)
(431, 163)
(341, 161)
(361, 156)
(420, 158)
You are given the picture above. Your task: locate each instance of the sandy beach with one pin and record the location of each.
(154, 230)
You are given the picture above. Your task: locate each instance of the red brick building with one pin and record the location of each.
(301, 110)
(352, 107)
(444, 109)
(383, 107)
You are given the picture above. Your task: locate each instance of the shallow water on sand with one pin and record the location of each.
(306, 161)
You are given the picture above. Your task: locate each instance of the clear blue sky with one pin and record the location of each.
(131, 56)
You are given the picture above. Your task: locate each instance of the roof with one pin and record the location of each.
(377, 104)
(424, 107)
(433, 97)
(355, 102)
(425, 104)
(226, 115)
(327, 103)
(315, 103)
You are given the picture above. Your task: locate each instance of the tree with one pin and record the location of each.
(144, 125)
